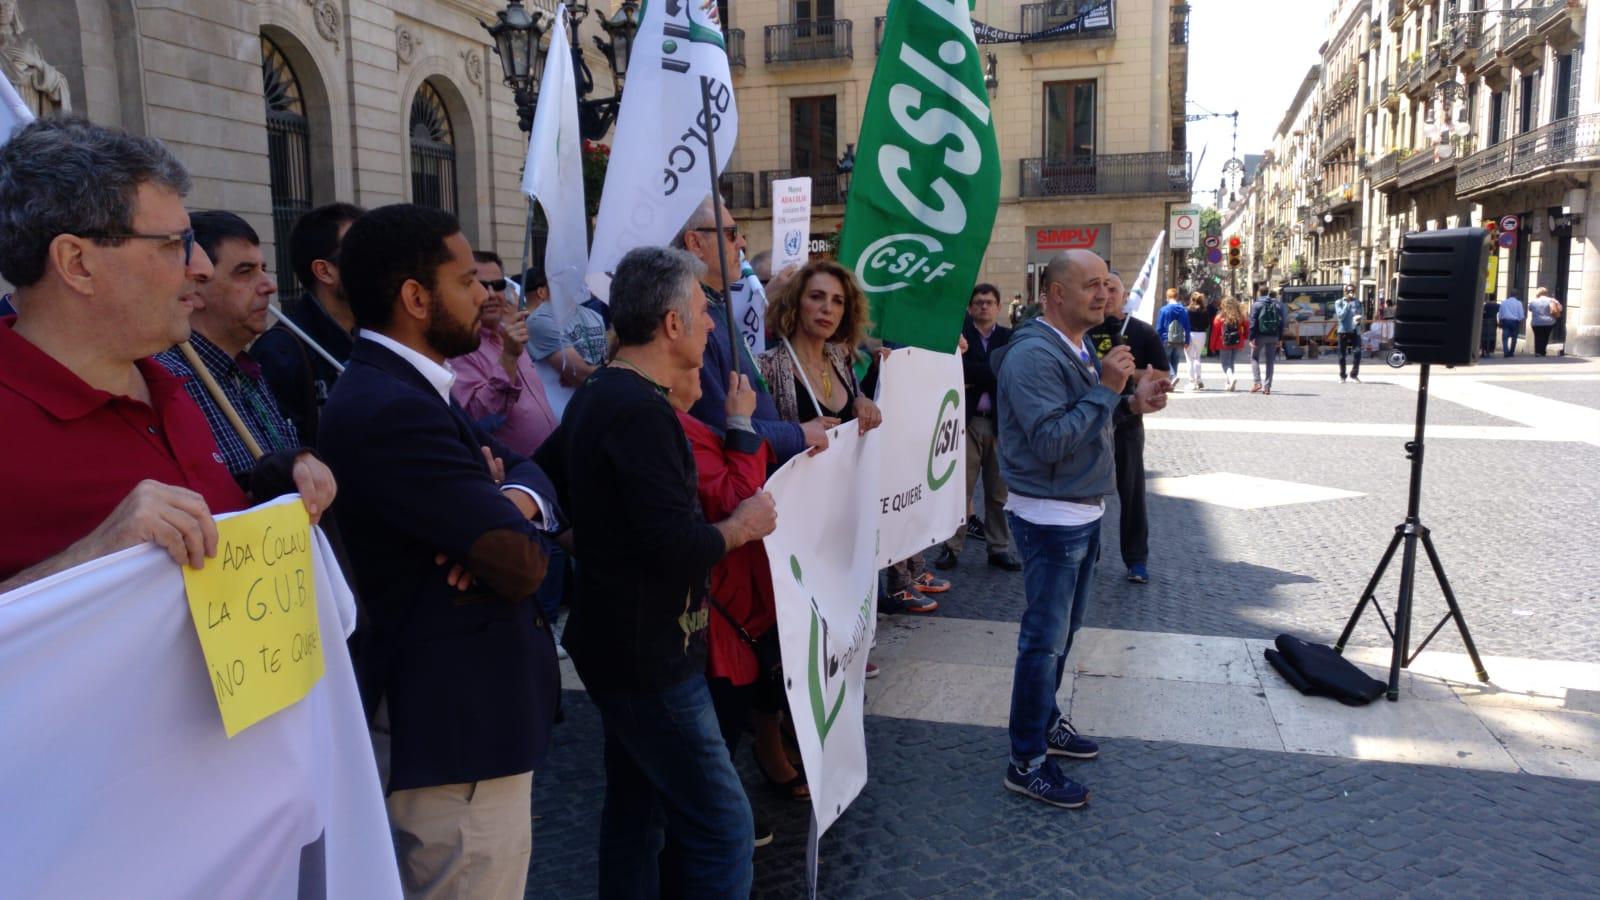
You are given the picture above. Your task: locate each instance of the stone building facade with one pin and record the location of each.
(276, 106)
(1469, 113)
(1090, 127)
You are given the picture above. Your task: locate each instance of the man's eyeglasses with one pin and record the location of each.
(498, 284)
(186, 237)
(731, 232)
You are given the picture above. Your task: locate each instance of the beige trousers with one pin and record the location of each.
(464, 841)
(983, 455)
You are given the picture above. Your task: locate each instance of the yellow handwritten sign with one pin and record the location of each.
(255, 609)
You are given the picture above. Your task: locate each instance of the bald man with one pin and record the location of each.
(1058, 400)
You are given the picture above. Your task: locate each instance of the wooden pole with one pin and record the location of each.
(221, 399)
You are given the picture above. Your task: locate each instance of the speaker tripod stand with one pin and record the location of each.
(1407, 535)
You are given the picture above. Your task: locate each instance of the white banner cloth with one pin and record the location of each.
(922, 487)
(825, 583)
(660, 170)
(553, 175)
(13, 112)
(117, 778)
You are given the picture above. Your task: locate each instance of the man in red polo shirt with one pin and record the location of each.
(104, 449)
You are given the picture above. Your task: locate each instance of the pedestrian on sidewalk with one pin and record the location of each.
(1347, 310)
(1199, 330)
(1543, 311)
(1491, 316)
(1172, 323)
(1230, 332)
(1057, 402)
(1128, 428)
(1511, 316)
(1267, 316)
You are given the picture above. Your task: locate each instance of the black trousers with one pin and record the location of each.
(1541, 338)
(1350, 342)
(1129, 452)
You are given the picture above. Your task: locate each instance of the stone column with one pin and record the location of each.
(1583, 305)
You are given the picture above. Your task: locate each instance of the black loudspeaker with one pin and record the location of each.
(1439, 299)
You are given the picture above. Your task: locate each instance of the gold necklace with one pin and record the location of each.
(824, 376)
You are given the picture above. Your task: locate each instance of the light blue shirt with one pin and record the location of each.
(1349, 313)
(1511, 310)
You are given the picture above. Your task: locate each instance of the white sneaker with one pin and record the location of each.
(1231, 386)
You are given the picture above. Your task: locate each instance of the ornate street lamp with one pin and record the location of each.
(518, 40)
(516, 37)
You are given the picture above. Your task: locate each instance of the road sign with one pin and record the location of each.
(1508, 238)
(1213, 255)
(1213, 242)
(1184, 227)
(1510, 223)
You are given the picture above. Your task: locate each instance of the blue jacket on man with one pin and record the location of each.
(1055, 417)
(1172, 310)
(786, 438)
(469, 677)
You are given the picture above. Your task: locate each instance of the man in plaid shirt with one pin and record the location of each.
(230, 311)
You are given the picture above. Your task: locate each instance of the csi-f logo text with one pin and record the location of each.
(946, 444)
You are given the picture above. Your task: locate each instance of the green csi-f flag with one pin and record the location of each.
(927, 178)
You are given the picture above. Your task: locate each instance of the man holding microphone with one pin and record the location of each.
(1057, 405)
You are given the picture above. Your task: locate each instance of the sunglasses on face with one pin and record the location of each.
(498, 284)
(186, 237)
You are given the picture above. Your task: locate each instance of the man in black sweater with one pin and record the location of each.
(637, 632)
(1149, 355)
(984, 335)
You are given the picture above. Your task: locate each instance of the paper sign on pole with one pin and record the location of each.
(1185, 227)
(922, 489)
(255, 609)
(791, 222)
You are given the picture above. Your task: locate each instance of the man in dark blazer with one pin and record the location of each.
(445, 529)
(984, 334)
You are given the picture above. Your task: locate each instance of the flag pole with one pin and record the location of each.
(221, 399)
(527, 247)
(716, 210)
(299, 333)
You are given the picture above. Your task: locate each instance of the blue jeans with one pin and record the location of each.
(1174, 356)
(668, 769)
(1509, 333)
(1057, 571)
(552, 591)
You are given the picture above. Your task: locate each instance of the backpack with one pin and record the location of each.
(1230, 333)
(1176, 333)
(1270, 322)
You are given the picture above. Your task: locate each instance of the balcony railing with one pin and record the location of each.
(1421, 166)
(877, 34)
(1573, 141)
(1385, 170)
(1542, 15)
(1042, 16)
(1180, 24)
(1465, 36)
(1395, 15)
(825, 186)
(1435, 60)
(809, 41)
(735, 41)
(1488, 41)
(1337, 139)
(1109, 173)
(739, 189)
(1513, 32)
(1402, 71)
(1389, 93)
(1414, 74)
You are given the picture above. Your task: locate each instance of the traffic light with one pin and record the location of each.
(1233, 252)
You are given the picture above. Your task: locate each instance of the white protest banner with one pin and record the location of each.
(922, 491)
(659, 170)
(553, 175)
(749, 301)
(791, 222)
(825, 583)
(119, 779)
(13, 112)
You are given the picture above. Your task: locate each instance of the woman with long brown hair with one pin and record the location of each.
(1230, 333)
(819, 319)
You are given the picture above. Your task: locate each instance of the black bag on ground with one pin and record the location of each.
(1316, 670)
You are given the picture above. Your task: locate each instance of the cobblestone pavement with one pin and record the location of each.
(1164, 819)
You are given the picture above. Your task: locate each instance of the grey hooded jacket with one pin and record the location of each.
(1054, 418)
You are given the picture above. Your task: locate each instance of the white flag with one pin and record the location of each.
(13, 112)
(660, 171)
(1141, 299)
(748, 300)
(553, 175)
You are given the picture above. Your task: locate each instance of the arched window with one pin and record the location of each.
(433, 151)
(288, 155)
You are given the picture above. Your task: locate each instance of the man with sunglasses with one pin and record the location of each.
(105, 450)
(699, 238)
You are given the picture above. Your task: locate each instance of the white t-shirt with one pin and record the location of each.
(1060, 513)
